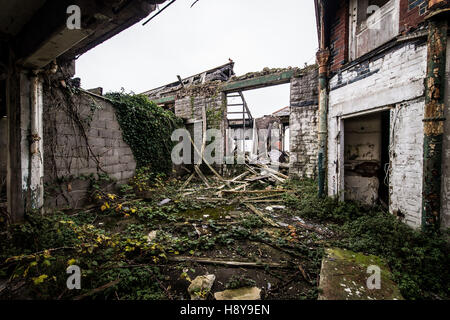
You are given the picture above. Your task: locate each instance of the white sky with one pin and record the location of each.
(185, 41)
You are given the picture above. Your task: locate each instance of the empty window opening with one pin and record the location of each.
(259, 120)
(366, 158)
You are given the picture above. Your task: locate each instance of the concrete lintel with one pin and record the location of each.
(169, 99)
(46, 37)
(55, 47)
(259, 82)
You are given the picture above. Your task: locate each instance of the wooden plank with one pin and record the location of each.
(202, 176)
(231, 263)
(239, 177)
(261, 215)
(97, 290)
(255, 191)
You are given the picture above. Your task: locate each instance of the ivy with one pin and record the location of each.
(147, 129)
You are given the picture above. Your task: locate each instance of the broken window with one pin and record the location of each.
(372, 23)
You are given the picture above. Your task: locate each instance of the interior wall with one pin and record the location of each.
(362, 158)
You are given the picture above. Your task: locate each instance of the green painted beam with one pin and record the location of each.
(259, 82)
(169, 99)
(434, 119)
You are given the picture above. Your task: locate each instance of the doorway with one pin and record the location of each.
(366, 158)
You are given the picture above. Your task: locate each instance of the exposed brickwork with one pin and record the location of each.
(412, 13)
(339, 36)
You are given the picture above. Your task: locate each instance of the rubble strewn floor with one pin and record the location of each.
(152, 241)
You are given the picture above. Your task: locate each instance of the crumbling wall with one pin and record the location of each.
(394, 78)
(304, 103)
(73, 152)
(445, 211)
(339, 36)
(303, 126)
(190, 109)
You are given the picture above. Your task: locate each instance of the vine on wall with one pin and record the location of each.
(147, 129)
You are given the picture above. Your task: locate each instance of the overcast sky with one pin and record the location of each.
(187, 41)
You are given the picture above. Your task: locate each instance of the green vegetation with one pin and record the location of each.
(237, 282)
(129, 243)
(419, 261)
(147, 128)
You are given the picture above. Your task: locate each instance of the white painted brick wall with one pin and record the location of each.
(303, 142)
(397, 77)
(303, 126)
(407, 162)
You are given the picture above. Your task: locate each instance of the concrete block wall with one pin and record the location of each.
(109, 153)
(190, 108)
(303, 126)
(393, 79)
